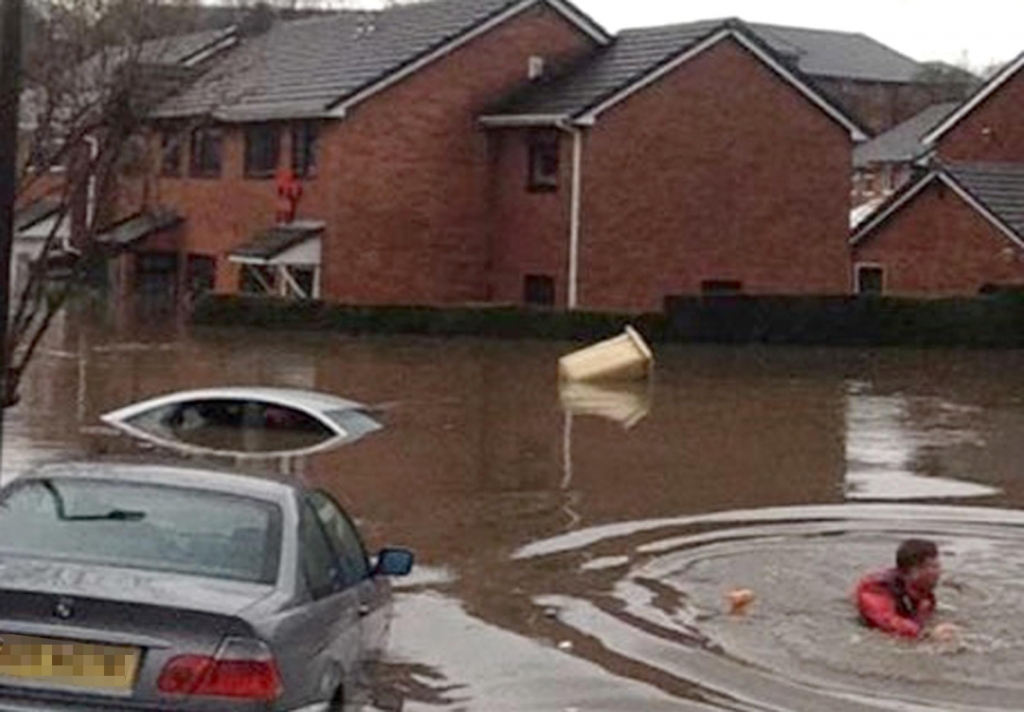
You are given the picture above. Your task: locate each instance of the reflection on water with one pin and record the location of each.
(894, 446)
(572, 562)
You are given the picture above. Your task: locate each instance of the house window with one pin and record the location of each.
(721, 287)
(543, 160)
(870, 279)
(304, 149)
(539, 289)
(170, 154)
(206, 152)
(262, 149)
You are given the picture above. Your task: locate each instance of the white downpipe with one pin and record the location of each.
(574, 218)
(90, 198)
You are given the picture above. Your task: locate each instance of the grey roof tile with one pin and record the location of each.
(302, 67)
(848, 55)
(637, 52)
(998, 186)
(903, 142)
(272, 242)
(138, 226)
(36, 212)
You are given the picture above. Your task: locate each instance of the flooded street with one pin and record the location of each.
(574, 547)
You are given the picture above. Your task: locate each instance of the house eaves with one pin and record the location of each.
(983, 93)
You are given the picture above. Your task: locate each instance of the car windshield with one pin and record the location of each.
(233, 425)
(141, 526)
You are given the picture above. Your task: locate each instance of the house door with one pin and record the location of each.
(156, 276)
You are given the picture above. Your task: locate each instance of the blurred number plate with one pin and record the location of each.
(65, 662)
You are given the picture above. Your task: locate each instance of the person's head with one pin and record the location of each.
(918, 562)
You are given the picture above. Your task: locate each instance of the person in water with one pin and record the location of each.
(902, 600)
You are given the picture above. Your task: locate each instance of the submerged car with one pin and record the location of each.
(248, 421)
(140, 587)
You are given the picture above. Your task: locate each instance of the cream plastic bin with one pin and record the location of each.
(623, 357)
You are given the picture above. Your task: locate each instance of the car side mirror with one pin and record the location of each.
(394, 562)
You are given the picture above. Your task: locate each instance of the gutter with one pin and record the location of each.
(575, 204)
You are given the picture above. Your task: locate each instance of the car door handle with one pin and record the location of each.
(364, 609)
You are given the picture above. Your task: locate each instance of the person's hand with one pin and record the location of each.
(945, 632)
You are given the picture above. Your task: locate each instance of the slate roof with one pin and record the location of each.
(139, 226)
(998, 186)
(303, 67)
(846, 55)
(35, 213)
(904, 142)
(180, 49)
(270, 243)
(636, 53)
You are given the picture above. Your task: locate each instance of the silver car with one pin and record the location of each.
(139, 587)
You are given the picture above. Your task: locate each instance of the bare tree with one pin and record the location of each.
(90, 78)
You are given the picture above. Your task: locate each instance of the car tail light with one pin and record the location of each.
(241, 668)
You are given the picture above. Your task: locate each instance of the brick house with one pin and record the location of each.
(679, 160)
(366, 122)
(376, 169)
(956, 229)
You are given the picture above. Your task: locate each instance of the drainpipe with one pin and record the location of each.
(572, 299)
(90, 191)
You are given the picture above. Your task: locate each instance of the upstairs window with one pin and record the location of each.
(262, 150)
(170, 154)
(205, 161)
(304, 149)
(543, 160)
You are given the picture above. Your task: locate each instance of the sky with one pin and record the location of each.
(976, 32)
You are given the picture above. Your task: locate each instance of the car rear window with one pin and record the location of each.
(139, 526)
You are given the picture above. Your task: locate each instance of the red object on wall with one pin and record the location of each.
(289, 190)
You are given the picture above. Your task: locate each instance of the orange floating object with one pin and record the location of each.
(739, 599)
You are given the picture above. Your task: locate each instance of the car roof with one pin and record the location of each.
(210, 480)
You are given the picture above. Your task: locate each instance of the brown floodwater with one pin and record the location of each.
(574, 545)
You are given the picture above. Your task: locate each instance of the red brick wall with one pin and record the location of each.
(938, 246)
(402, 180)
(720, 170)
(530, 229)
(411, 171)
(993, 131)
(220, 213)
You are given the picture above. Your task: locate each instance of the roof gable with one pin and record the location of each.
(323, 66)
(984, 92)
(639, 58)
(994, 190)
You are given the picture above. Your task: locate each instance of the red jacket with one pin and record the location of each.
(885, 602)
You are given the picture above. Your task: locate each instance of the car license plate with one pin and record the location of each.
(68, 662)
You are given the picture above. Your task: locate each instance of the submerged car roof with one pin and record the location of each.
(210, 480)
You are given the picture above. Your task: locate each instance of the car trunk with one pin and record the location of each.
(140, 618)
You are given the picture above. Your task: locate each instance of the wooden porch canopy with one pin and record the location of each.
(284, 260)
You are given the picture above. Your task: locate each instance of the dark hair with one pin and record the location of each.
(913, 552)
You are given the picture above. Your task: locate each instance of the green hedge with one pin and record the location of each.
(989, 322)
(491, 321)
